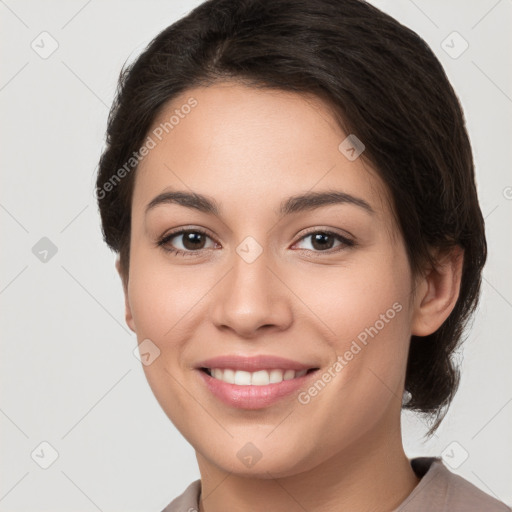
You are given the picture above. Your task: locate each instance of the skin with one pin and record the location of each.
(249, 150)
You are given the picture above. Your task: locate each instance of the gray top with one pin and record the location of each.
(439, 490)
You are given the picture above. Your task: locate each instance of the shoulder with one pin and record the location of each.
(188, 501)
(440, 489)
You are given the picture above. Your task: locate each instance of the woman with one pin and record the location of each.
(290, 187)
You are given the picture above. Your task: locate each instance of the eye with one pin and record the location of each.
(186, 242)
(190, 242)
(324, 241)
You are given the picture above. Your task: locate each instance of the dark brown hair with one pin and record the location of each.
(384, 84)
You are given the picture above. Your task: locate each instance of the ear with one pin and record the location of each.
(437, 292)
(128, 310)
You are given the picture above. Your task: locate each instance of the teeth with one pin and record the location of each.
(259, 378)
(227, 376)
(241, 378)
(289, 374)
(276, 376)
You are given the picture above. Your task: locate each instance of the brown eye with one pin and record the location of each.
(186, 242)
(324, 241)
(193, 240)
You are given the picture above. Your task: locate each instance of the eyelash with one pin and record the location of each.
(162, 242)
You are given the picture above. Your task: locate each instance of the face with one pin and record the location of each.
(303, 302)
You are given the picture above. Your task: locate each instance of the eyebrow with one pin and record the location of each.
(298, 203)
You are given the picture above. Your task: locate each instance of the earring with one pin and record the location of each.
(406, 397)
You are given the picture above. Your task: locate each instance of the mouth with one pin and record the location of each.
(257, 378)
(255, 382)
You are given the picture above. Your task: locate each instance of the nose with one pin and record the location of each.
(252, 298)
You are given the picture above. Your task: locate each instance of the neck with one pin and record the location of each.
(373, 474)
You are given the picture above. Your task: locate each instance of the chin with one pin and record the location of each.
(259, 459)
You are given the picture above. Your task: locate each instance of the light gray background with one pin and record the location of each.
(68, 374)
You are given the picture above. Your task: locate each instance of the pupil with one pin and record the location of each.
(192, 240)
(320, 239)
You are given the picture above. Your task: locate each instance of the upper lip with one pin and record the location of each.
(253, 363)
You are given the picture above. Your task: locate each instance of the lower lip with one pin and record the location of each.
(253, 397)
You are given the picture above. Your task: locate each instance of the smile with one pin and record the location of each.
(258, 378)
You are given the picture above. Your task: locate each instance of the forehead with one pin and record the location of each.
(251, 147)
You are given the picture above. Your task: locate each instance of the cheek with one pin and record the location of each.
(363, 312)
(162, 301)
(370, 290)
(161, 295)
